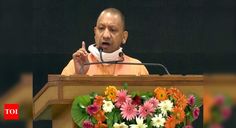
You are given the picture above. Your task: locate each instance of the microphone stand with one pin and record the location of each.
(125, 63)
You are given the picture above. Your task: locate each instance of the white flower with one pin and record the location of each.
(165, 106)
(107, 106)
(139, 124)
(158, 121)
(122, 125)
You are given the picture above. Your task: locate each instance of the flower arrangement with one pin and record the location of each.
(162, 108)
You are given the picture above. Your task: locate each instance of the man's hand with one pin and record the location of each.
(80, 57)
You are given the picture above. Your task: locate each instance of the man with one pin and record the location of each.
(110, 34)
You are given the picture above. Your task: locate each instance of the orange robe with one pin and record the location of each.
(109, 69)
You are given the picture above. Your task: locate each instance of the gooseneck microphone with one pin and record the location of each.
(121, 54)
(100, 53)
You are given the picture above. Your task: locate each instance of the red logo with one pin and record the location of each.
(11, 112)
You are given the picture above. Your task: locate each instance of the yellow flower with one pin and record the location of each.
(111, 93)
(161, 94)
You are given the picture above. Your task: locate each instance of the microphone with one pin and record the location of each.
(100, 52)
(121, 54)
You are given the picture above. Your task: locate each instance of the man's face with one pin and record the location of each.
(109, 33)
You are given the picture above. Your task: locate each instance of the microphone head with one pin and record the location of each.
(100, 49)
(121, 54)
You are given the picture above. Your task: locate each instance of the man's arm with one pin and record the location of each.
(143, 70)
(80, 57)
(69, 69)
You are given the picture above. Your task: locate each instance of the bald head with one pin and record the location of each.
(110, 31)
(114, 11)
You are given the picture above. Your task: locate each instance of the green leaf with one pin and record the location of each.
(150, 94)
(78, 111)
(83, 101)
(189, 116)
(93, 94)
(172, 99)
(144, 97)
(188, 110)
(158, 111)
(117, 114)
(115, 119)
(149, 124)
(110, 120)
(125, 85)
(228, 101)
(133, 94)
(179, 125)
(94, 121)
(216, 115)
(198, 101)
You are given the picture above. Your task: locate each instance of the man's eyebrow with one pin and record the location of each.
(110, 25)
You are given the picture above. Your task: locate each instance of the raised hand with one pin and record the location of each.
(80, 57)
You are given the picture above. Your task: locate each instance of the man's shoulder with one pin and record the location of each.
(131, 59)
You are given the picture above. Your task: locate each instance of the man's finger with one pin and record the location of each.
(83, 45)
(83, 51)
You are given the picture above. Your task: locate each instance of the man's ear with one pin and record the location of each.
(94, 31)
(125, 37)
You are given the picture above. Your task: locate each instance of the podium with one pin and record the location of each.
(53, 101)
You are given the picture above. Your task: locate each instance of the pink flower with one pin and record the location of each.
(188, 126)
(154, 102)
(122, 97)
(191, 100)
(219, 100)
(226, 112)
(215, 126)
(137, 100)
(92, 109)
(128, 111)
(87, 124)
(196, 112)
(146, 109)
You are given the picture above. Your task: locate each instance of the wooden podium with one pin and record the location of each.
(54, 100)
